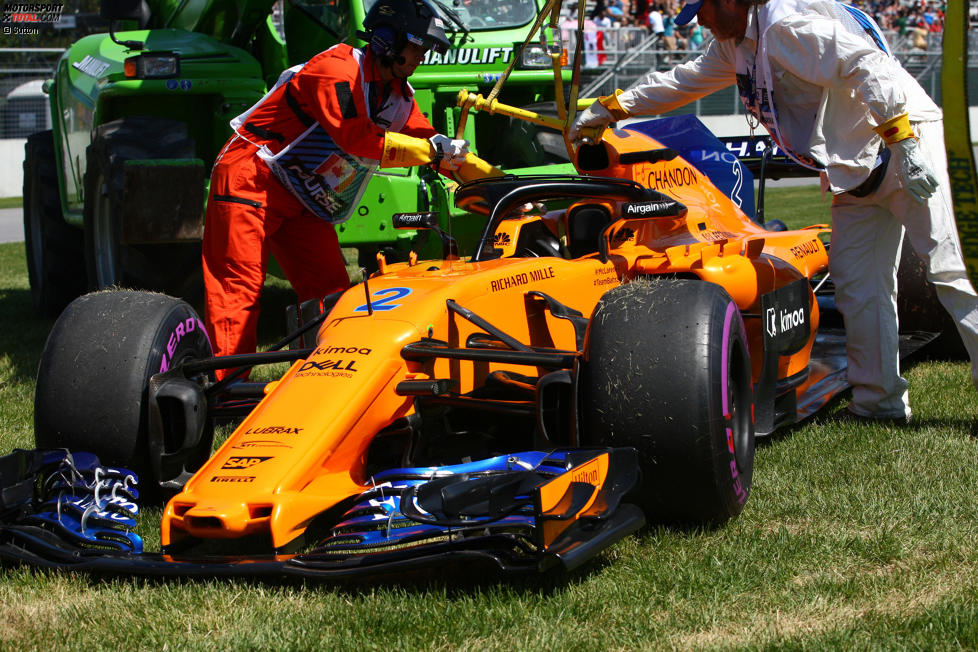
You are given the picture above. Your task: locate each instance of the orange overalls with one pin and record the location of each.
(320, 114)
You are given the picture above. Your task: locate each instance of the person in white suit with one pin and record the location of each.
(819, 76)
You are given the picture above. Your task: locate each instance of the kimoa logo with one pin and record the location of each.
(326, 350)
(780, 321)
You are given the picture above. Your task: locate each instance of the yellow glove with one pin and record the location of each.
(611, 103)
(594, 119)
(475, 168)
(401, 151)
(405, 151)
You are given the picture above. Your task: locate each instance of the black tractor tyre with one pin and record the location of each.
(514, 143)
(174, 268)
(919, 309)
(667, 371)
(92, 381)
(55, 262)
(530, 144)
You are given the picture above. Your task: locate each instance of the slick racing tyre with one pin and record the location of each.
(55, 264)
(170, 267)
(92, 381)
(919, 309)
(667, 371)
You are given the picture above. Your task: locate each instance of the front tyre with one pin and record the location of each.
(92, 381)
(667, 371)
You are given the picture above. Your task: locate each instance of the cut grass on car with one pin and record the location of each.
(855, 537)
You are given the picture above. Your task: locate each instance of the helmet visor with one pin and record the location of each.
(427, 42)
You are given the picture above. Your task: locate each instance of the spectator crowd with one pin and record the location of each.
(630, 21)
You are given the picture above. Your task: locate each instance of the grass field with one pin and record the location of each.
(855, 537)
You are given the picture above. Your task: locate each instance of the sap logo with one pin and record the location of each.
(243, 462)
(781, 321)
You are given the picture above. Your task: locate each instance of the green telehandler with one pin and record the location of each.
(114, 193)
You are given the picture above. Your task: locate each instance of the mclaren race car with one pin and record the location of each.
(604, 357)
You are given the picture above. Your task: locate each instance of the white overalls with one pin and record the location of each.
(821, 83)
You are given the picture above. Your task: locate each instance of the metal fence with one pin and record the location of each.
(613, 58)
(626, 58)
(24, 108)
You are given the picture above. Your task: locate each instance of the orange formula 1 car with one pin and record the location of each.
(604, 356)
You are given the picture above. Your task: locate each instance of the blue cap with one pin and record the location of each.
(689, 11)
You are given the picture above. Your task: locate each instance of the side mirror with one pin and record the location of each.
(136, 10)
(427, 221)
(415, 220)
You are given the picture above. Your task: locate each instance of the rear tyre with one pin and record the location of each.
(172, 268)
(91, 392)
(667, 372)
(55, 264)
(919, 309)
